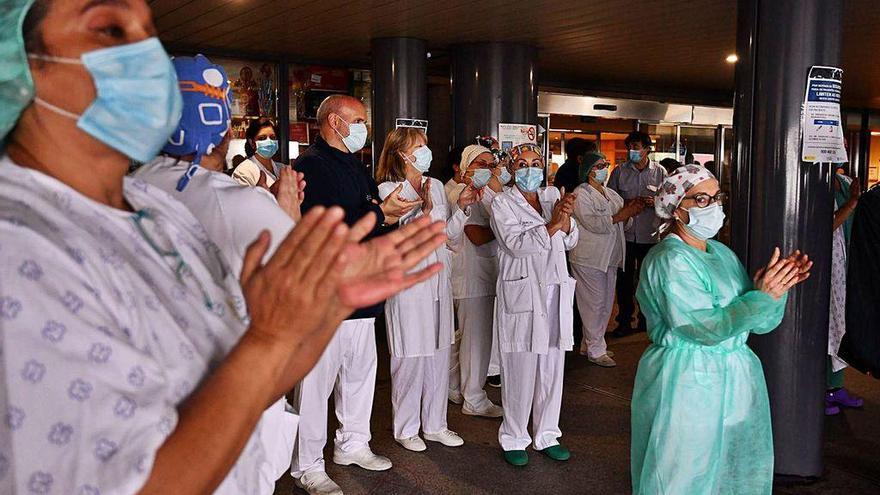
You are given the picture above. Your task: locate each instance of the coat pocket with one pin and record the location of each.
(517, 295)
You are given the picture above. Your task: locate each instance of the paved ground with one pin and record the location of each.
(595, 424)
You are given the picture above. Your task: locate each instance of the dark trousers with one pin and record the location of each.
(627, 281)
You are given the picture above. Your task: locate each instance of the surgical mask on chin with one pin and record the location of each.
(138, 103)
(423, 157)
(267, 148)
(705, 223)
(357, 136)
(481, 177)
(529, 179)
(504, 177)
(635, 156)
(601, 175)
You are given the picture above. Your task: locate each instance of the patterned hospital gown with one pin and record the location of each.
(104, 329)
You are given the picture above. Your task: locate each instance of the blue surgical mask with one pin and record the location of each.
(267, 148)
(423, 157)
(481, 177)
(601, 175)
(138, 102)
(504, 178)
(529, 179)
(357, 136)
(705, 223)
(635, 156)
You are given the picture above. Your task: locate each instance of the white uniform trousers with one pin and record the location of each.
(495, 359)
(533, 386)
(594, 294)
(475, 315)
(348, 369)
(419, 393)
(454, 366)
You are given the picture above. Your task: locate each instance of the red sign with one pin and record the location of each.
(299, 132)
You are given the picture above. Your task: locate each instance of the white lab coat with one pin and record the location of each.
(102, 341)
(248, 172)
(593, 213)
(412, 331)
(530, 262)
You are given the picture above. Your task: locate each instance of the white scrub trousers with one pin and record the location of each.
(419, 393)
(533, 386)
(454, 367)
(594, 294)
(475, 315)
(347, 368)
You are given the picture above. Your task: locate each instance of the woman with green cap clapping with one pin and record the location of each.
(600, 215)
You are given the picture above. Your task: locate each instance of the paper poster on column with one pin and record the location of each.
(510, 135)
(822, 125)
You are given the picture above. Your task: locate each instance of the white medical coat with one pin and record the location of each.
(248, 172)
(410, 333)
(530, 261)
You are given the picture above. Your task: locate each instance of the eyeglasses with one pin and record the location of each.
(600, 166)
(703, 200)
(414, 123)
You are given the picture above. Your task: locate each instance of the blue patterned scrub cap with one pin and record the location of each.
(16, 84)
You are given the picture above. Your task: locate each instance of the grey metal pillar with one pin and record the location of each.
(492, 83)
(780, 201)
(399, 85)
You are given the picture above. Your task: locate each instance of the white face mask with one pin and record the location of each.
(423, 157)
(357, 136)
(705, 223)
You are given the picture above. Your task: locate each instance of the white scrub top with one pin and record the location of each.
(248, 172)
(104, 333)
(476, 270)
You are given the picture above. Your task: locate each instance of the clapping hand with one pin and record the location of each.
(395, 207)
(289, 191)
(427, 201)
(562, 211)
(469, 195)
(781, 274)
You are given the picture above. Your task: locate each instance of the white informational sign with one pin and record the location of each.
(510, 135)
(822, 126)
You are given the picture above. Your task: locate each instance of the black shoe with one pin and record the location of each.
(494, 381)
(622, 332)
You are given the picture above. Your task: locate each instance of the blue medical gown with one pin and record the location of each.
(700, 413)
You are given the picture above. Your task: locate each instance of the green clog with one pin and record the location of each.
(516, 457)
(557, 453)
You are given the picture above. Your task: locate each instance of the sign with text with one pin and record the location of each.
(510, 135)
(822, 125)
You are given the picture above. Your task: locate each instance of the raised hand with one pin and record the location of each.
(395, 207)
(427, 201)
(469, 195)
(287, 191)
(261, 182)
(781, 274)
(855, 189)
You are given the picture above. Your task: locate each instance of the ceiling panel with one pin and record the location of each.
(671, 44)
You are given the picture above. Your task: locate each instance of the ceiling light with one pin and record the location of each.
(732, 58)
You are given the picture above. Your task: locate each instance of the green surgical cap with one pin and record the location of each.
(16, 84)
(591, 158)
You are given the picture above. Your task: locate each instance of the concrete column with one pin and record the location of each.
(399, 85)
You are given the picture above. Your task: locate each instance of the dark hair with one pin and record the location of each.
(251, 134)
(576, 147)
(31, 30)
(454, 157)
(638, 137)
(670, 164)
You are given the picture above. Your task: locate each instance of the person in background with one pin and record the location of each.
(260, 146)
(125, 337)
(533, 312)
(637, 179)
(453, 188)
(710, 166)
(236, 161)
(335, 176)
(504, 178)
(567, 175)
(474, 284)
(420, 320)
(601, 249)
(700, 411)
(846, 198)
(670, 165)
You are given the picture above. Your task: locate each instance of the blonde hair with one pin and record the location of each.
(392, 166)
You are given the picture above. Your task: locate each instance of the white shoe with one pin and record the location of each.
(604, 361)
(490, 411)
(414, 444)
(583, 351)
(318, 483)
(364, 458)
(610, 353)
(455, 397)
(448, 438)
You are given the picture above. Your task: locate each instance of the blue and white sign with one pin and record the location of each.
(822, 125)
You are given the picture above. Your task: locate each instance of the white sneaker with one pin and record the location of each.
(610, 353)
(448, 438)
(364, 458)
(604, 361)
(414, 444)
(490, 411)
(318, 483)
(455, 397)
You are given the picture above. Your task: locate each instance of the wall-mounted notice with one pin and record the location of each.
(822, 126)
(510, 135)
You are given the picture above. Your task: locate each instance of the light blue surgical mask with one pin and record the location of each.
(635, 156)
(423, 157)
(705, 223)
(481, 177)
(505, 176)
(529, 179)
(357, 136)
(138, 103)
(601, 175)
(267, 148)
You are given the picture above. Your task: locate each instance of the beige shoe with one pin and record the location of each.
(364, 458)
(414, 444)
(448, 438)
(318, 483)
(604, 361)
(490, 411)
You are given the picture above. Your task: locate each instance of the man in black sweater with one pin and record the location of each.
(567, 175)
(336, 177)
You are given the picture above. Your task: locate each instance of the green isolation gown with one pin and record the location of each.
(700, 413)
